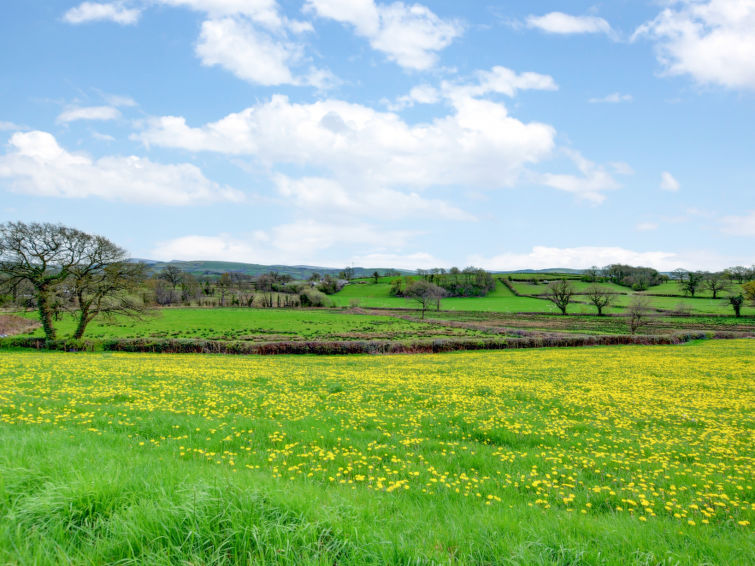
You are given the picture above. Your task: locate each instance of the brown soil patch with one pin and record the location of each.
(10, 325)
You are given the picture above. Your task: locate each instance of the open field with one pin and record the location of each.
(599, 456)
(259, 325)
(376, 295)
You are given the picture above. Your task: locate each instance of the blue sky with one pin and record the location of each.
(505, 135)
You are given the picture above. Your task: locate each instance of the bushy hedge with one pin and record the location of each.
(199, 346)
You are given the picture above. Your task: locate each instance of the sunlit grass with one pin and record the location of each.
(610, 455)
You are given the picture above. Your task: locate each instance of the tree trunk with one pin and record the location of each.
(82, 325)
(45, 313)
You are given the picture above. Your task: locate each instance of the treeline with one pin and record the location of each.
(467, 282)
(171, 286)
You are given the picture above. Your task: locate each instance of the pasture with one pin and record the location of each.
(612, 455)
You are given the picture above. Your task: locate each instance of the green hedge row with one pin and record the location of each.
(198, 346)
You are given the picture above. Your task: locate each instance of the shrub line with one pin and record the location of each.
(199, 346)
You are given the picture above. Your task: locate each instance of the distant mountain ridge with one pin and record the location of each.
(217, 268)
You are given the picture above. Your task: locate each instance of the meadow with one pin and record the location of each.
(258, 325)
(612, 455)
(368, 294)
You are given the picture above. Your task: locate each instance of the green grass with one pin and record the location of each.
(502, 300)
(258, 325)
(527, 457)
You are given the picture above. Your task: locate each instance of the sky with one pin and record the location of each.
(504, 135)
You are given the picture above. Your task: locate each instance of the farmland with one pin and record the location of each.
(611, 455)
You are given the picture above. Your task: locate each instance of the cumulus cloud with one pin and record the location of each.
(590, 185)
(613, 98)
(478, 144)
(668, 183)
(543, 257)
(409, 35)
(261, 11)
(711, 41)
(328, 197)
(36, 164)
(11, 126)
(421, 94)
(94, 11)
(646, 226)
(255, 55)
(740, 225)
(499, 80)
(566, 24)
(88, 113)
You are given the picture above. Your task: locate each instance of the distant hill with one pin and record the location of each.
(217, 268)
(549, 270)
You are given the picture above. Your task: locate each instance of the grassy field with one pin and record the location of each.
(369, 294)
(258, 325)
(501, 300)
(614, 455)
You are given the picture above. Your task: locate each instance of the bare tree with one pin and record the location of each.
(599, 296)
(716, 282)
(172, 275)
(425, 293)
(637, 312)
(560, 294)
(43, 255)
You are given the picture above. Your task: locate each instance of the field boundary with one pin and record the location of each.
(199, 346)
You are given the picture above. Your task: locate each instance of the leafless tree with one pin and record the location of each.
(560, 294)
(424, 293)
(637, 313)
(716, 282)
(600, 297)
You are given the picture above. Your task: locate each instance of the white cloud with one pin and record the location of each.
(94, 11)
(479, 144)
(248, 53)
(328, 197)
(103, 137)
(740, 225)
(409, 35)
(119, 100)
(263, 12)
(668, 183)
(646, 226)
(254, 55)
(37, 165)
(711, 41)
(499, 80)
(295, 243)
(613, 98)
(11, 126)
(566, 24)
(542, 257)
(421, 94)
(590, 185)
(88, 113)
